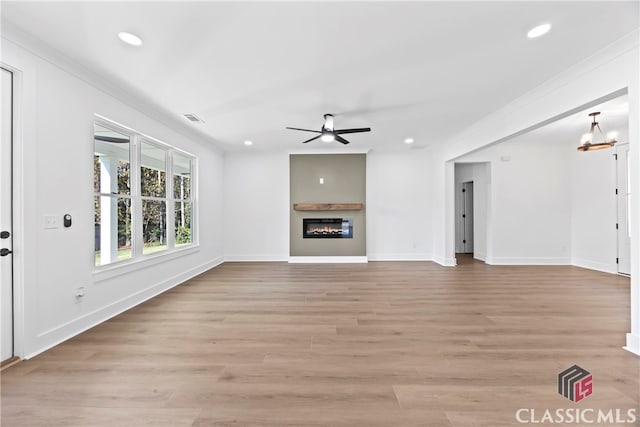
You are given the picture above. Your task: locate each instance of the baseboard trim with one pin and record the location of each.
(445, 262)
(9, 362)
(633, 344)
(327, 259)
(400, 257)
(480, 256)
(528, 261)
(81, 324)
(256, 258)
(595, 265)
(373, 257)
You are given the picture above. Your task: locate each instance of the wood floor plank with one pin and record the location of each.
(354, 416)
(506, 397)
(83, 416)
(377, 344)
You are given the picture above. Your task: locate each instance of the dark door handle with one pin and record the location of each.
(4, 252)
(4, 234)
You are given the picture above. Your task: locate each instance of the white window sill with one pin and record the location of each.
(106, 272)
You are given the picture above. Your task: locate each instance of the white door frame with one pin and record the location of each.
(18, 214)
(6, 262)
(622, 227)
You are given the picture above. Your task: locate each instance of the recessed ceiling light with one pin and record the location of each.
(408, 141)
(248, 143)
(129, 38)
(538, 31)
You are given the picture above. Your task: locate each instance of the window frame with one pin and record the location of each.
(136, 139)
(172, 199)
(142, 198)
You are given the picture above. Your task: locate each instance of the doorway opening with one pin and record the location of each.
(471, 211)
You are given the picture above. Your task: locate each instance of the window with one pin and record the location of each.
(112, 200)
(153, 191)
(182, 203)
(137, 210)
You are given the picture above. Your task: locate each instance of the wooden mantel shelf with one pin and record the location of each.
(327, 206)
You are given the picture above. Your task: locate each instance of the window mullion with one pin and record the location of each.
(136, 201)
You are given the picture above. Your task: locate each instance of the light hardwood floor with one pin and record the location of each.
(378, 344)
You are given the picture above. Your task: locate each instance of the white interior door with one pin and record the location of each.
(467, 217)
(624, 231)
(6, 232)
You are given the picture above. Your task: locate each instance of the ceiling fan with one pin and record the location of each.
(328, 133)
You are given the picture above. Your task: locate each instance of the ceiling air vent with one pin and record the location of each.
(193, 118)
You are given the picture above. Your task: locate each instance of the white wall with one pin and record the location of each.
(530, 201)
(570, 214)
(605, 74)
(256, 206)
(584, 84)
(256, 198)
(54, 160)
(593, 210)
(398, 209)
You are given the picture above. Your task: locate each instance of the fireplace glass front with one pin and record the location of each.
(327, 228)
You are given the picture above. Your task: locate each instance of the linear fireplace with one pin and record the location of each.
(327, 228)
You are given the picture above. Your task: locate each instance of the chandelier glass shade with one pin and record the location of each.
(587, 143)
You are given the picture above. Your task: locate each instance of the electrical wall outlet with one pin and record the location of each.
(51, 221)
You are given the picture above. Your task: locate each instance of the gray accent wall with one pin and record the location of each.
(344, 182)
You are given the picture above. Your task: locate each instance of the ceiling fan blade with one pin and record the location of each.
(341, 139)
(305, 130)
(309, 140)
(341, 131)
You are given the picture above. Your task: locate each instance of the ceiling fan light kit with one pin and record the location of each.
(587, 139)
(328, 133)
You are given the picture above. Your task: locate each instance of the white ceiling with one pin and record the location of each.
(406, 69)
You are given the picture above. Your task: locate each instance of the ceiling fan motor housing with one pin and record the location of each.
(328, 123)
